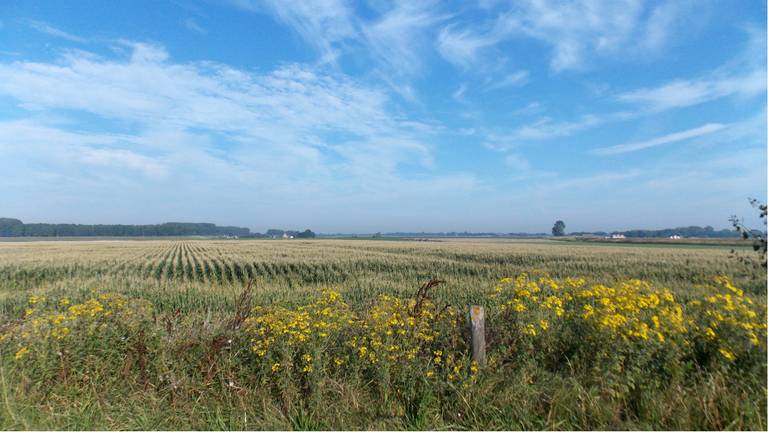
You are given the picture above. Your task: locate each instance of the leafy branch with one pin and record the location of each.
(759, 243)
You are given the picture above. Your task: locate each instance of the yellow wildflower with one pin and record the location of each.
(727, 354)
(21, 353)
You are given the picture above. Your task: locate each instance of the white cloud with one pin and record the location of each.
(458, 94)
(461, 47)
(397, 37)
(514, 79)
(296, 131)
(666, 139)
(529, 109)
(660, 24)
(124, 158)
(742, 76)
(575, 30)
(53, 31)
(683, 93)
(22, 139)
(728, 80)
(191, 24)
(325, 24)
(546, 128)
(542, 129)
(603, 27)
(204, 95)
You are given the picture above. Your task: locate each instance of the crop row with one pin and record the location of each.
(352, 265)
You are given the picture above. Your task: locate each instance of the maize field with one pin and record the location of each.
(319, 334)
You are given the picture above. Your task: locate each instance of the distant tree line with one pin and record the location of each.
(453, 234)
(16, 228)
(689, 231)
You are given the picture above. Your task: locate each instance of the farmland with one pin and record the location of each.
(286, 271)
(189, 351)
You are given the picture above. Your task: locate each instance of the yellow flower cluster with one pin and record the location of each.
(728, 319)
(304, 326)
(393, 331)
(413, 335)
(633, 310)
(46, 321)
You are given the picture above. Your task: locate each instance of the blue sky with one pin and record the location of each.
(383, 116)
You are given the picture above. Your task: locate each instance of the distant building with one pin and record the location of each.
(618, 236)
(675, 237)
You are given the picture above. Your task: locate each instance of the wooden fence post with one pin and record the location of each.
(477, 330)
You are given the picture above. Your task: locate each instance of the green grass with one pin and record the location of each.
(194, 284)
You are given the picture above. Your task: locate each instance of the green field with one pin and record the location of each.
(164, 365)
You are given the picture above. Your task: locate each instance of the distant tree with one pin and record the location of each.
(305, 234)
(11, 227)
(759, 241)
(559, 229)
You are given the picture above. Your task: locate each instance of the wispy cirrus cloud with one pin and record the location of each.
(687, 92)
(514, 79)
(462, 46)
(192, 24)
(545, 128)
(662, 140)
(395, 38)
(603, 28)
(743, 76)
(54, 31)
(399, 36)
(325, 24)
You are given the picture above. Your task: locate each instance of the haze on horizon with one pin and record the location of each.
(369, 116)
